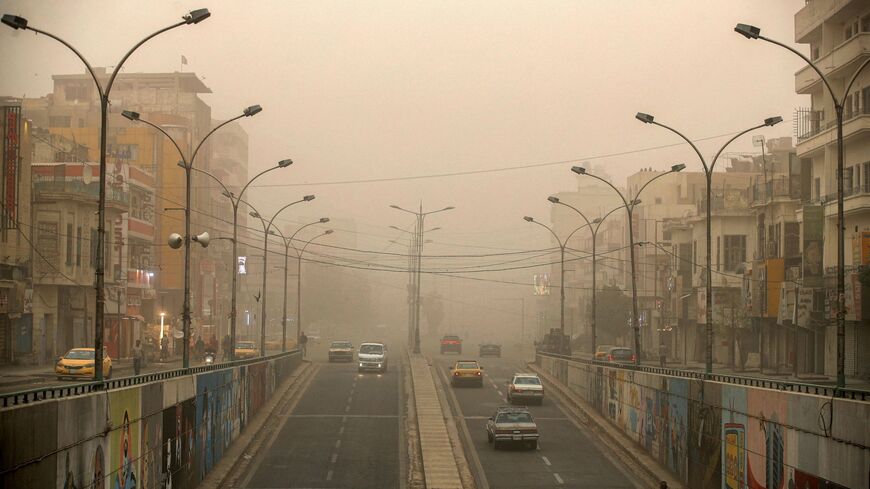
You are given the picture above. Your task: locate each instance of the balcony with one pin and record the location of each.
(855, 199)
(778, 187)
(731, 201)
(813, 14)
(842, 60)
(810, 124)
(72, 188)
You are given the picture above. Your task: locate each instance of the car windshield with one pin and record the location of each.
(245, 345)
(514, 418)
(371, 349)
(80, 355)
(341, 344)
(527, 380)
(467, 365)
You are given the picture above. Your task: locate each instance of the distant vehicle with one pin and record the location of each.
(620, 354)
(601, 351)
(246, 349)
(525, 387)
(313, 336)
(341, 351)
(466, 372)
(512, 424)
(490, 349)
(79, 362)
(451, 343)
(554, 342)
(372, 356)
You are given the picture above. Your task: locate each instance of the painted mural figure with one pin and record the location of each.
(126, 477)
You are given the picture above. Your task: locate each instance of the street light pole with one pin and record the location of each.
(187, 164)
(629, 209)
(421, 216)
(16, 22)
(752, 32)
(708, 173)
(322, 220)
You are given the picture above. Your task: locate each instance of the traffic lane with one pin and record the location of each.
(341, 434)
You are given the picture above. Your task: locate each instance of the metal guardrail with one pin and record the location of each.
(61, 391)
(804, 388)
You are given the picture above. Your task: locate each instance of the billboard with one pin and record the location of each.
(814, 226)
(10, 145)
(542, 284)
(243, 269)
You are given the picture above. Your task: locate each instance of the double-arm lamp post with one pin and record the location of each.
(16, 22)
(267, 230)
(421, 216)
(564, 349)
(299, 253)
(629, 209)
(187, 164)
(752, 32)
(594, 229)
(708, 172)
(412, 256)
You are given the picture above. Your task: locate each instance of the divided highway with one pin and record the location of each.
(345, 432)
(566, 457)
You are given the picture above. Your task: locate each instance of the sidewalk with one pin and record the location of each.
(783, 375)
(12, 375)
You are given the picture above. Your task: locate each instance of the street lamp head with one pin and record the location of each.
(14, 21)
(252, 110)
(578, 170)
(197, 16)
(529, 219)
(448, 208)
(597, 220)
(285, 163)
(328, 231)
(635, 202)
(553, 199)
(678, 167)
(748, 31)
(324, 220)
(645, 118)
(254, 214)
(394, 206)
(227, 194)
(772, 121)
(272, 232)
(308, 198)
(129, 114)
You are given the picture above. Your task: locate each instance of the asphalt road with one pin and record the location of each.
(566, 457)
(346, 431)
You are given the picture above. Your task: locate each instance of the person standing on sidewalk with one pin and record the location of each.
(663, 354)
(303, 342)
(137, 357)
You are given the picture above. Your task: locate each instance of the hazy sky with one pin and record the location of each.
(357, 90)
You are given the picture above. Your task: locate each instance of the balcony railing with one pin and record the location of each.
(76, 186)
(809, 123)
(847, 192)
(780, 186)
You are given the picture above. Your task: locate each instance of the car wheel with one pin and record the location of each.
(488, 437)
(540, 402)
(59, 378)
(533, 445)
(496, 444)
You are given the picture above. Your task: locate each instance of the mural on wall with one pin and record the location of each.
(83, 417)
(735, 462)
(177, 445)
(675, 417)
(151, 436)
(213, 410)
(123, 454)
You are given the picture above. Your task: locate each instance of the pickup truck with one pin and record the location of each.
(451, 343)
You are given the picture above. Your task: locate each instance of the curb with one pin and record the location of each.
(621, 446)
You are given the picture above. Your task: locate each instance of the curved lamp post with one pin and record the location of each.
(187, 164)
(752, 32)
(267, 227)
(629, 209)
(421, 216)
(594, 229)
(17, 22)
(299, 273)
(565, 349)
(708, 173)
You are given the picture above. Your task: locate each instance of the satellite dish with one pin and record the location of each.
(87, 174)
(177, 334)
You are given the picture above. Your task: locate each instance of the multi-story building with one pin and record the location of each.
(837, 33)
(16, 289)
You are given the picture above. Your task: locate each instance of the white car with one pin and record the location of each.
(372, 357)
(525, 388)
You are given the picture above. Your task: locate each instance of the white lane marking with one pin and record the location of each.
(344, 419)
(334, 458)
(329, 475)
(341, 430)
(337, 444)
(539, 446)
(546, 461)
(558, 479)
(501, 393)
(347, 408)
(349, 399)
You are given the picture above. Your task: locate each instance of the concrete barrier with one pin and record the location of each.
(718, 435)
(165, 433)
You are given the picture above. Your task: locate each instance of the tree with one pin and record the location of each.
(612, 314)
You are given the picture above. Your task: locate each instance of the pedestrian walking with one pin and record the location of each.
(164, 348)
(663, 354)
(199, 347)
(137, 357)
(228, 344)
(303, 342)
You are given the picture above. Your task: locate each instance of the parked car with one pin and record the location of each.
(525, 387)
(490, 349)
(620, 354)
(466, 372)
(246, 349)
(79, 362)
(451, 343)
(601, 351)
(341, 351)
(372, 356)
(512, 424)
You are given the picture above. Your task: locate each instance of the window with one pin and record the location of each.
(866, 180)
(93, 248)
(718, 248)
(69, 244)
(817, 188)
(850, 30)
(792, 242)
(735, 251)
(78, 246)
(865, 23)
(59, 121)
(814, 52)
(77, 92)
(658, 200)
(847, 180)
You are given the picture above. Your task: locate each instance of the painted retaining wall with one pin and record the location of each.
(163, 434)
(717, 435)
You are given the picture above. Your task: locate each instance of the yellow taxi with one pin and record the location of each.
(601, 352)
(79, 362)
(246, 349)
(466, 372)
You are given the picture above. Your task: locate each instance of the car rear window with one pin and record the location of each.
(514, 418)
(243, 345)
(621, 353)
(469, 365)
(451, 338)
(527, 380)
(341, 344)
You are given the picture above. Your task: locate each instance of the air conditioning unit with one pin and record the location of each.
(772, 249)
